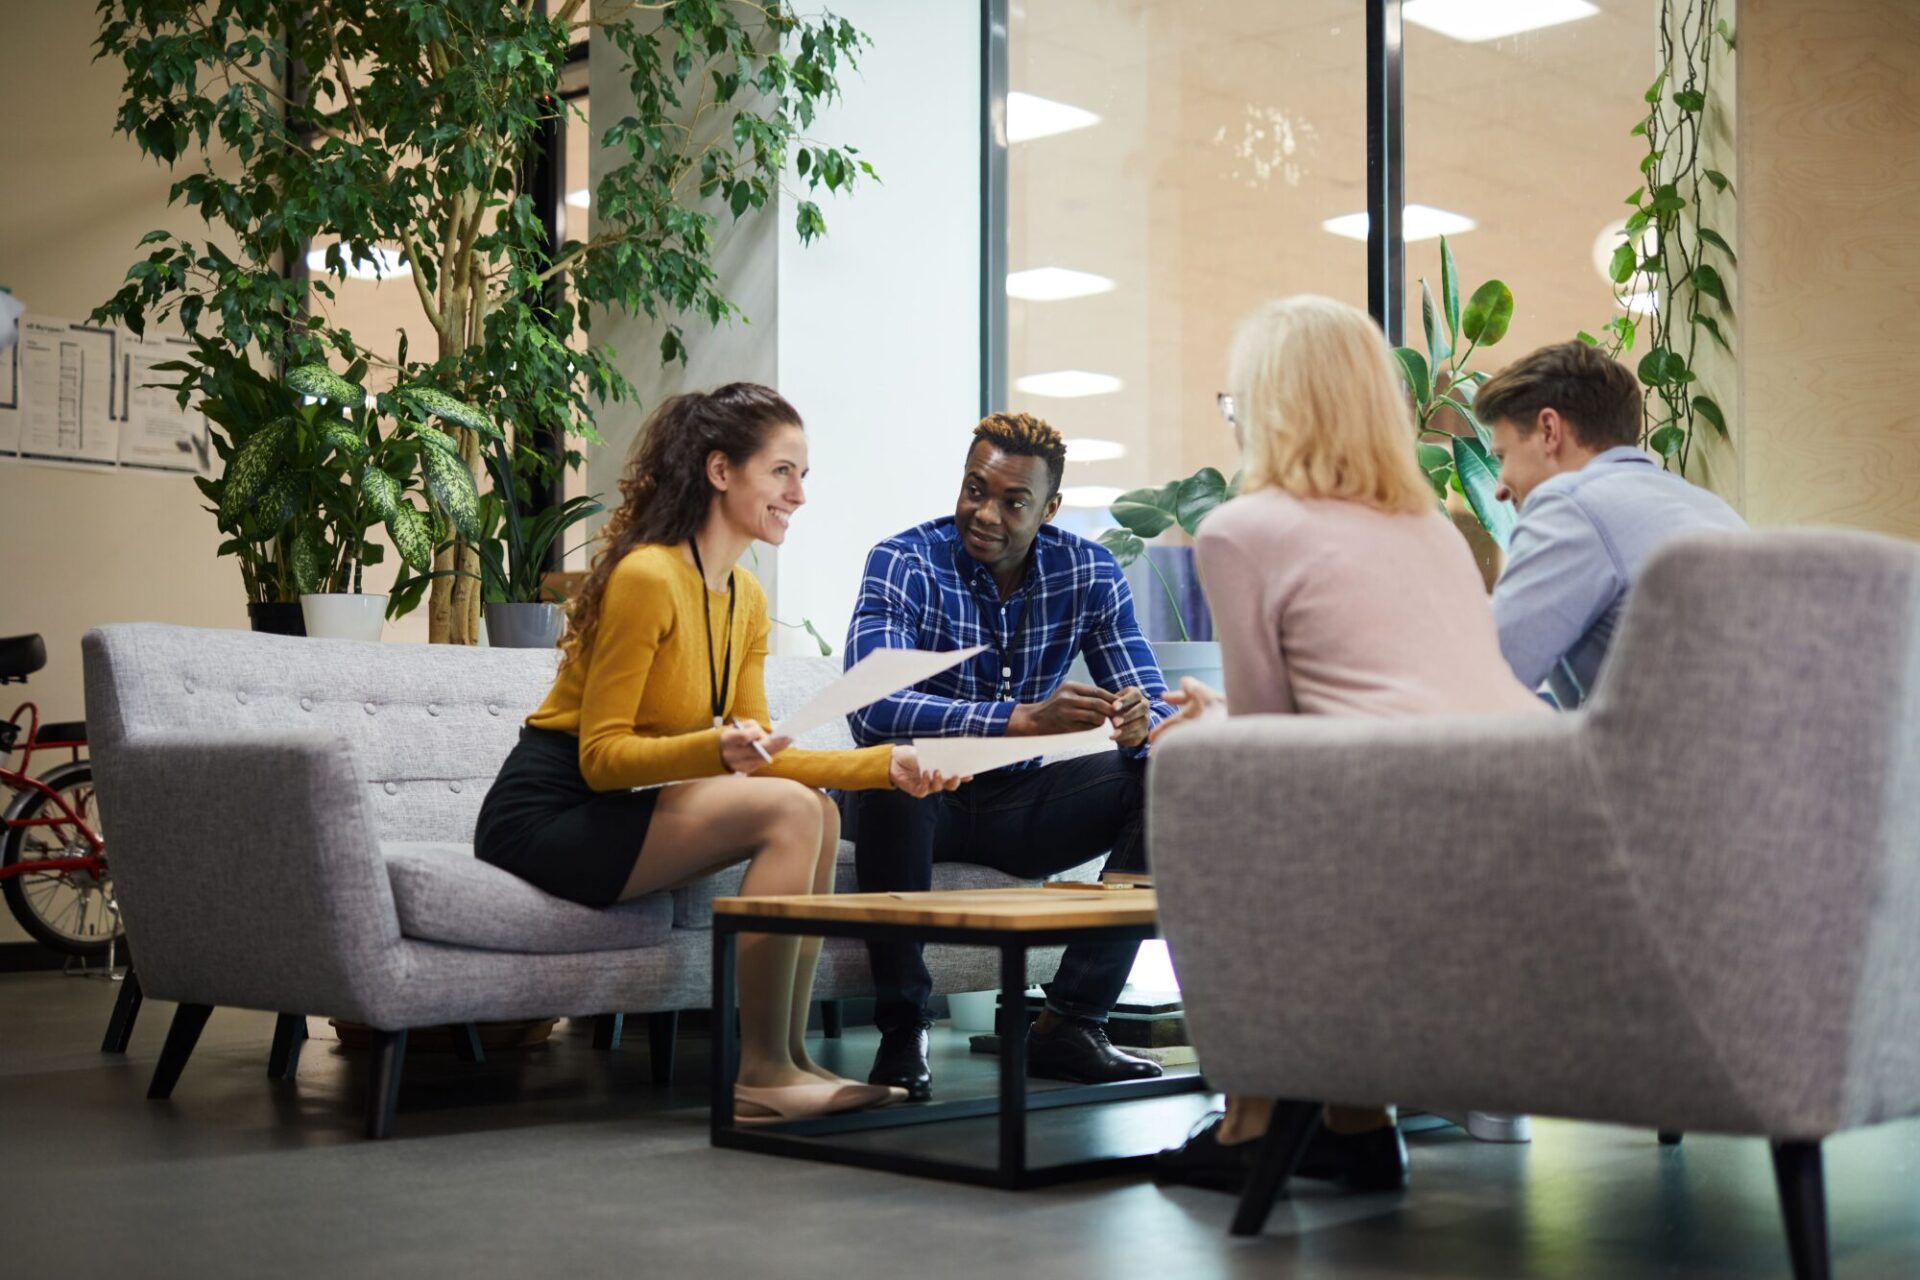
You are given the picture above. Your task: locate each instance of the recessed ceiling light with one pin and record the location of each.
(1417, 222)
(1096, 496)
(580, 198)
(1067, 384)
(1477, 20)
(1030, 117)
(1055, 284)
(381, 262)
(1088, 449)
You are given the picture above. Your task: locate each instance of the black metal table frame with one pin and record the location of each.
(800, 1139)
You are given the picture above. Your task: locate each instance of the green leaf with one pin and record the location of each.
(1652, 94)
(252, 468)
(1661, 367)
(1726, 32)
(1707, 281)
(1667, 441)
(1413, 367)
(1479, 477)
(1147, 512)
(1709, 236)
(437, 438)
(1436, 460)
(1712, 326)
(1667, 199)
(411, 536)
(278, 503)
(439, 404)
(1197, 497)
(382, 492)
(1450, 292)
(1589, 339)
(1710, 410)
(1438, 348)
(451, 485)
(344, 440)
(1488, 314)
(322, 383)
(1125, 545)
(1717, 178)
(1620, 267)
(309, 558)
(1690, 100)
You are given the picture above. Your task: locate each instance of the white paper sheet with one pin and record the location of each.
(70, 380)
(878, 675)
(958, 757)
(154, 430)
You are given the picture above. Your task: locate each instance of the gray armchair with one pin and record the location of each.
(1694, 906)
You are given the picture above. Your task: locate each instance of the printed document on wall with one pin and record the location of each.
(10, 399)
(155, 431)
(69, 389)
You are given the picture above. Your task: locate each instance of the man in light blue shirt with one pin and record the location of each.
(1593, 508)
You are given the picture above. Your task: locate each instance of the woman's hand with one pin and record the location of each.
(1196, 701)
(904, 770)
(742, 744)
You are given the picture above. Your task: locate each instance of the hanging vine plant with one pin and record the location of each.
(1670, 252)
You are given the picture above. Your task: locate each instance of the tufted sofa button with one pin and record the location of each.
(392, 788)
(306, 704)
(433, 708)
(371, 708)
(456, 786)
(240, 696)
(189, 685)
(493, 708)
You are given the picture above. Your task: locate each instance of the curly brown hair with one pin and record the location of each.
(1024, 436)
(665, 489)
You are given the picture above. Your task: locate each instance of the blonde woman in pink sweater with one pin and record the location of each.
(1337, 588)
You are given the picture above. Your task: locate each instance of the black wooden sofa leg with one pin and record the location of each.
(1803, 1205)
(1671, 1137)
(466, 1042)
(607, 1028)
(386, 1053)
(126, 1008)
(188, 1021)
(830, 1019)
(663, 1031)
(289, 1034)
(1288, 1133)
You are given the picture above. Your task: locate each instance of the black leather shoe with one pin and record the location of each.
(1078, 1050)
(902, 1063)
(1372, 1161)
(1202, 1162)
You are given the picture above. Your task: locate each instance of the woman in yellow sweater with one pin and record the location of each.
(661, 682)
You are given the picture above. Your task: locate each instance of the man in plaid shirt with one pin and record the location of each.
(997, 574)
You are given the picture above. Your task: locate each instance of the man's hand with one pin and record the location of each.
(1073, 708)
(1132, 717)
(1196, 701)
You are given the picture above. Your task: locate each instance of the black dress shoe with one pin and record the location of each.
(1078, 1050)
(1202, 1162)
(902, 1063)
(1372, 1161)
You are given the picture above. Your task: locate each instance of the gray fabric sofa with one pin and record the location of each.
(1695, 905)
(291, 831)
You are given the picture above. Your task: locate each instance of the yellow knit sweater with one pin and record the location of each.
(638, 695)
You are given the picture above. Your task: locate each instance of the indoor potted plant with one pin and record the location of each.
(515, 547)
(1144, 514)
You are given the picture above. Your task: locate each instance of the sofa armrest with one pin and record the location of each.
(249, 871)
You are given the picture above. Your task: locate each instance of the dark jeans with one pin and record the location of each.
(1028, 823)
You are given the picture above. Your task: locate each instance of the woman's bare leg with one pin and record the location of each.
(808, 961)
(1247, 1118)
(702, 826)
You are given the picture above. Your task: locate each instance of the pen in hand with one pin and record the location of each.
(755, 744)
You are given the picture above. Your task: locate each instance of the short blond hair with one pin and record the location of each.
(1321, 407)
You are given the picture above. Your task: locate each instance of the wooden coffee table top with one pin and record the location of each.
(1004, 910)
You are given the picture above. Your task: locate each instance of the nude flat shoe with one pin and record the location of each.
(807, 1101)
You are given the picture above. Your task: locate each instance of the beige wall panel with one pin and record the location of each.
(1829, 280)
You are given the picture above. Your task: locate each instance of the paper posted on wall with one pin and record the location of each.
(70, 390)
(880, 674)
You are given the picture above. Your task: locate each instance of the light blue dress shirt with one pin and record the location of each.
(1577, 549)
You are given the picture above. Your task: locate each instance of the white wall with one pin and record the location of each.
(872, 332)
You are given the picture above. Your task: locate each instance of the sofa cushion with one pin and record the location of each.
(693, 904)
(445, 894)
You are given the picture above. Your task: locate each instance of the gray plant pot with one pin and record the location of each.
(524, 626)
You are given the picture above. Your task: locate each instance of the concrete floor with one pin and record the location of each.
(561, 1161)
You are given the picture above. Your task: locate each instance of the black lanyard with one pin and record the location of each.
(1004, 649)
(717, 685)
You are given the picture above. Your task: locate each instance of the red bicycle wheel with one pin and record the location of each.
(65, 910)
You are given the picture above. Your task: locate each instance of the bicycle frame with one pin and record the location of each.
(21, 780)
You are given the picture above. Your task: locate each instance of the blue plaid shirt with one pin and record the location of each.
(923, 591)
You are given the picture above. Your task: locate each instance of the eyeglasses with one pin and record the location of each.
(1225, 404)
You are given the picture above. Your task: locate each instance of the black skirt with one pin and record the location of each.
(542, 822)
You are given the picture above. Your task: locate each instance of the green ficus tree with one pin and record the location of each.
(396, 132)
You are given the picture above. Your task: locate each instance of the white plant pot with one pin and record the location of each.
(344, 616)
(972, 1011)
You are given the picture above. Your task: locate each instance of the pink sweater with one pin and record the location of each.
(1333, 608)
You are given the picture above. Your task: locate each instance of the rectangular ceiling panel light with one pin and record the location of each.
(1030, 117)
(1068, 384)
(1417, 222)
(1055, 284)
(1473, 21)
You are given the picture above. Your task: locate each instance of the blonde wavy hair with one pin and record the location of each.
(1321, 407)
